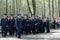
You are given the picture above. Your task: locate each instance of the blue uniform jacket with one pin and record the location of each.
(26, 22)
(18, 23)
(11, 23)
(4, 23)
(46, 23)
(34, 22)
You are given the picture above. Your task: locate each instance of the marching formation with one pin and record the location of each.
(24, 25)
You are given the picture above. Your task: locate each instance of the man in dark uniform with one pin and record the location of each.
(26, 24)
(36, 23)
(18, 23)
(4, 22)
(46, 25)
(33, 24)
(11, 24)
(40, 25)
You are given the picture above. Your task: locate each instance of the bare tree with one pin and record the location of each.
(44, 9)
(49, 9)
(29, 7)
(6, 6)
(52, 8)
(34, 6)
(59, 6)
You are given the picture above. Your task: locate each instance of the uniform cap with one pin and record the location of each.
(5, 14)
(11, 14)
(18, 14)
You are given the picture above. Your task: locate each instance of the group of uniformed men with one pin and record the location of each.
(19, 25)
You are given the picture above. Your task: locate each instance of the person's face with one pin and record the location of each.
(4, 16)
(36, 17)
(45, 18)
(33, 16)
(19, 16)
(25, 17)
(11, 17)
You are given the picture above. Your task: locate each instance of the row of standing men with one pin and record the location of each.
(26, 25)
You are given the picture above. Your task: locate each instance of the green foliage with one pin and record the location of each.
(43, 7)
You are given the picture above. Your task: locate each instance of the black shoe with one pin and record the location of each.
(4, 36)
(19, 36)
(48, 32)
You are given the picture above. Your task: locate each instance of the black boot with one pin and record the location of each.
(19, 36)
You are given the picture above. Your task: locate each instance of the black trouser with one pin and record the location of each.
(22, 29)
(33, 28)
(29, 29)
(4, 32)
(47, 28)
(26, 29)
(11, 31)
(18, 33)
(39, 29)
(14, 30)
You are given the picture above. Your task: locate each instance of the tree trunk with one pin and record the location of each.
(34, 6)
(49, 10)
(59, 7)
(44, 8)
(29, 7)
(6, 6)
(52, 8)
